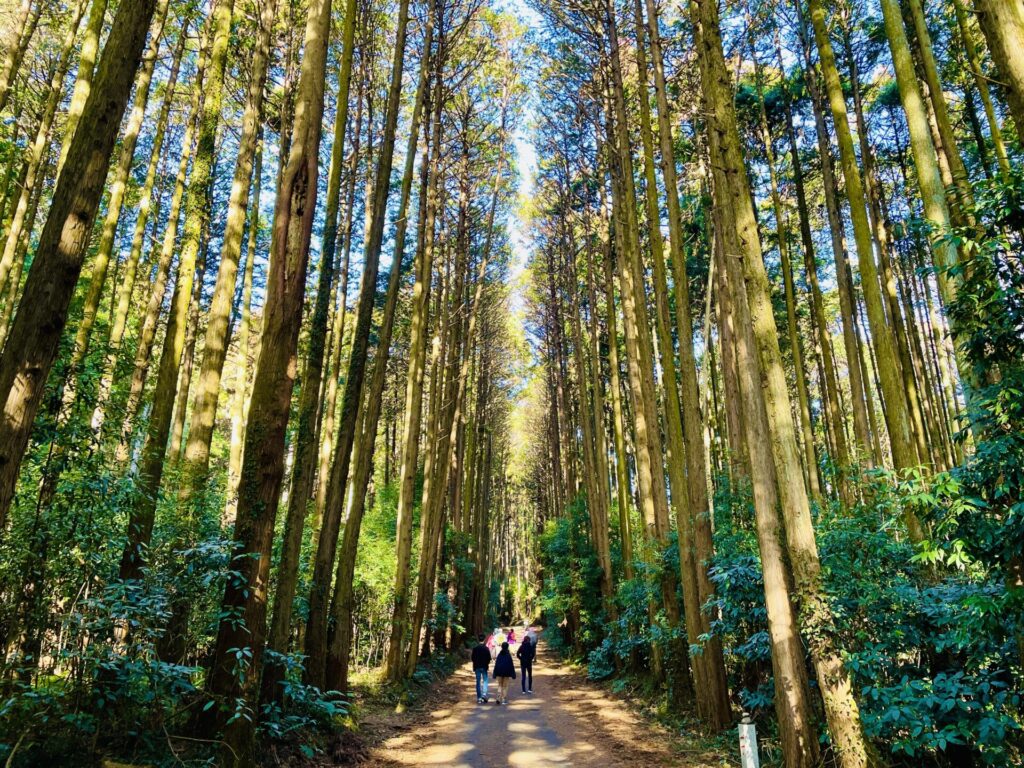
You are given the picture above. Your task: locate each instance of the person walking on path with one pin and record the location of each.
(526, 654)
(481, 663)
(504, 673)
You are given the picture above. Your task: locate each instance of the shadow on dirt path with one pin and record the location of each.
(567, 721)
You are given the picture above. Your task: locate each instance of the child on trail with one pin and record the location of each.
(504, 673)
(492, 643)
(526, 654)
(496, 640)
(511, 636)
(481, 662)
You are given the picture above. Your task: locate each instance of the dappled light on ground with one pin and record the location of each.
(569, 721)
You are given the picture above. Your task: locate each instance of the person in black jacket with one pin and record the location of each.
(526, 654)
(504, 673)
(481, 662)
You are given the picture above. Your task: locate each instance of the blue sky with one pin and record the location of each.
(527, 166)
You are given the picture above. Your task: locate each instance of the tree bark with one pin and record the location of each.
(761, 367)
(27, 19)
(240, 400)
(145, 207)
(245, 597)
(151, 467)
(35, 334)
(896, 415)
(217, 337)
(117, 189)
(1002, 23)
(316, 630)
(394, 663)
(307, 433)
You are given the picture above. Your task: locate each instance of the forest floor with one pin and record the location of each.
(567, 721)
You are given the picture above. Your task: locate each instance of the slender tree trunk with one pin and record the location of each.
(618, 428)
(686, 464)
(83, 78)
(793, 707)
(35, 334)
(970, 46)
(20, 221)
(761, 365)
(457, 390)
(847, 302)
(26, 21)
(188, 354)
(140, 522)
(394, 663)
(126, 283)
(330, 398)
(117, 189)
(810, 463)
(649, 456)
(240, 400)
(147, 332)
(217, 337)
(929, 179)
(316, 631)
(896, 414)
(245, 597)
(14, 283)
(307, 434)
(1002, 23)
(880, 229)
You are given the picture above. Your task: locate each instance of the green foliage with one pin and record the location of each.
(980, 506)
(120, 693)
(306, 707)
(374, 578)
(571, 598)
(931, 660)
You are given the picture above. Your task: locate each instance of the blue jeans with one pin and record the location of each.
(481, 683)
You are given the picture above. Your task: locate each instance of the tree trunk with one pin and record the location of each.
(240, 400)
(27, 19)
(147, 332)
(307, 435)
(810, 463)
(770, 421)
(847, 302)
(20, 221)
(151, 467)
(245, 596)
(686, 455)
(115, 200)
(394, 663)
(316, 630)
(1002, 23)
(83, 78)
(126, 283)
(217, 337)
(897, 418)
(970, 46)
(35, 334)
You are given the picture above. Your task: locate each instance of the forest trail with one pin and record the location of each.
(567, 721)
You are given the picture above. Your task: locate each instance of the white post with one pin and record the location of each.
(748, 743)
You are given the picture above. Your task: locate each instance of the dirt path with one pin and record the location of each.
(567, 721)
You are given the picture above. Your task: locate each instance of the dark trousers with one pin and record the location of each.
(527, 670)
